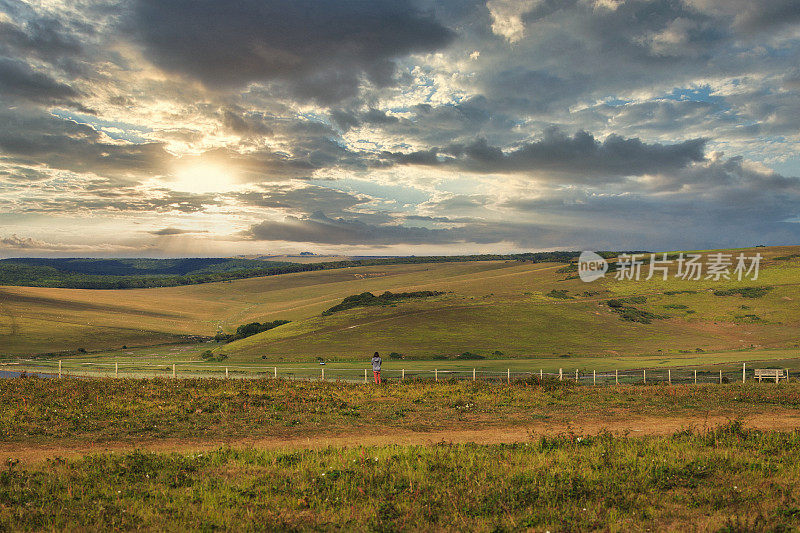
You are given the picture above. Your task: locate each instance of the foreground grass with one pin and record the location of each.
(727, 479)
(46, 411)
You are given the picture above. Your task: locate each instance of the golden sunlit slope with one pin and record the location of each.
(35, 320)
(504, 306)
(513, 311)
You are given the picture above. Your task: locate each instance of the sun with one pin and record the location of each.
(203, 178)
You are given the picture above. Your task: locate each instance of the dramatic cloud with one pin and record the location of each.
(580, 157)
(318, 228)
(199, 127)
(175, 231)
(320, 47)
(39, 138)
(20, 242)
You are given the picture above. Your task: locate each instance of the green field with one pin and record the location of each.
(71, 412)
(247, 455)
(500, 310)
(729, 479)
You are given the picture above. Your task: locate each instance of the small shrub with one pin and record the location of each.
(744, 292)
(469, 356)
(671, 293)
(633, 314)
(559, 293)
(395, 355)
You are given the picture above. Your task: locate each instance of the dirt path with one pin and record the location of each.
(632, 426)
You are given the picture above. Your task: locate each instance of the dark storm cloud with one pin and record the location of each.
(350, 119)
(580, 157)
(18, 174)
(34, 138)
(321, 48)
(43, 38)
(245, 123)
(318, 228)
(720, 202)
(18, 81)
(761, 16)
(306, 199)
(105, 197)
(174, 231)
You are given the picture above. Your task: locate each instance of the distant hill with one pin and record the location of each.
(86, 273)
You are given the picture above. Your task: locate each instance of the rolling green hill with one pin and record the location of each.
(525, 310)
(497, 309)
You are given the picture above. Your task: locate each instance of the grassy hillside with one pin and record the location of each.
(520, 309)
(536, 310)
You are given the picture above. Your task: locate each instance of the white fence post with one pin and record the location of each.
(616, 376)
(59, 368)
(365, 376)
(275, 372)
(403, 375)
(594, 377)
(436, 374)
(644, 376)
(695, 376)
(576, 375)
(323, 373)
(116, 370)
(473, 374)
(720, 377)
(174, 373)
(560, 374)
(669, 375)
(508, 375)
(226, 372)
(541, 374)
(744, 372)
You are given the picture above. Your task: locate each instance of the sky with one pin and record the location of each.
(171, 128)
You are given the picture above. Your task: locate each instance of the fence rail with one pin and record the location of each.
(196, 369)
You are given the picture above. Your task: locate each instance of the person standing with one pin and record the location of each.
(376, 367)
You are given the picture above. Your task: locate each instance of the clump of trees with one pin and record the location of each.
(211, 357)
(469, 356)
(366, 299)
(248, 330)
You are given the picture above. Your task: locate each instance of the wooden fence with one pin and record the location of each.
(134, 369)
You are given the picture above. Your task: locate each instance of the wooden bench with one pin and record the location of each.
(771, 373)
